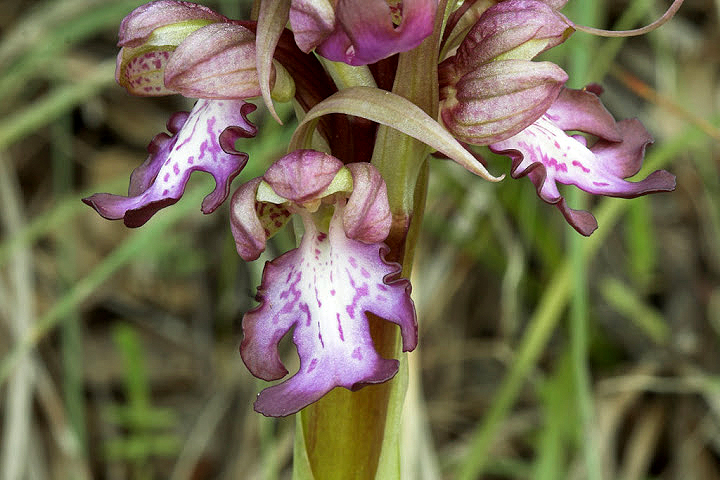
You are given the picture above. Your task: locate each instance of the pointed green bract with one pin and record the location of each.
(389, 109)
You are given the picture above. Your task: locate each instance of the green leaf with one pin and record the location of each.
(389, 109)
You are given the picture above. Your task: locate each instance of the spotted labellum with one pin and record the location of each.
(325, 288)
(547, 155)
(201, 140)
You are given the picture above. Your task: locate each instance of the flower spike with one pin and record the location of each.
(546, 154)
(204, 140)
(324, 288)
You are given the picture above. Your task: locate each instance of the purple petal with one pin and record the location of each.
(215, 61)
(199, 142)
(503, 28)
(547, 155)
(582, 110)
(367, 217)
(253, 222)
(499, 99)
(137, 27)
(311, 21)
(323, 289)
(365, 31)
(302, 175)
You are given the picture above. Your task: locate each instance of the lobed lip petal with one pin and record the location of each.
(215, 61)
(198, 142)
(547, 155)
(323, 290)
(365, 33)
(137, 27)
(302, 175)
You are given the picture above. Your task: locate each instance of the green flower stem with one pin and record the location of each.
(346, 76)
(355, 435)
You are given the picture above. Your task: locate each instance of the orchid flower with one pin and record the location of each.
(180, 47)
(492, 94)
(325, 287)
(546, 154)
(359, 32)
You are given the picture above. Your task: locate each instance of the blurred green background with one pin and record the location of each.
(543, 355)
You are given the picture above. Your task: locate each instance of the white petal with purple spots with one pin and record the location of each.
(202, 140)
(323, 290)
(546, 154)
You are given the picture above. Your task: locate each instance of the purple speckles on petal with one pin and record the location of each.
(340, 330)
(575, 163)
(146, 193)
(335, 348)
(599, 169)
(319, 330)
(142, 74)
(306, 311)
(312, 365)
